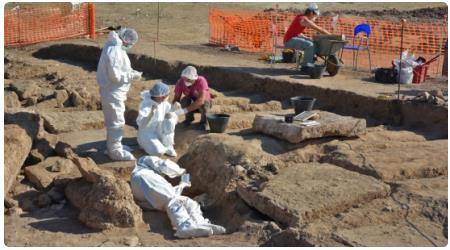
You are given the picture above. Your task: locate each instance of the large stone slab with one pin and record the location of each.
(401, 234)
(330, 125)
(17, 146)
(60, 122)
(302, 193)
(248, 107)
(25, 89)
(423, 202)
(389, 159)
(43, 174)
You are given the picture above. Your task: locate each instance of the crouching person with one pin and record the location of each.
(151, 190)
(197, 97)
(156, 121)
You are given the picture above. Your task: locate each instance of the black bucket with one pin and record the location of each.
(217, 122)
(317, 71)
(302, 103)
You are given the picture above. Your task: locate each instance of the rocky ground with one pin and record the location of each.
(269, 184)
(334, 186)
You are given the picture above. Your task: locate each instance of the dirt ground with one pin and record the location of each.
(406, 204)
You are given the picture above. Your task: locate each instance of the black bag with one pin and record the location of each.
(386, 75)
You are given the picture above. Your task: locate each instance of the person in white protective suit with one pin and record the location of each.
(114, 76)
(155, 192)
(156, 121)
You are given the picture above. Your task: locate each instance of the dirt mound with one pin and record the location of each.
(220, 159)
(423, 14)
(104, 200)
(216, 163)
(40, 87)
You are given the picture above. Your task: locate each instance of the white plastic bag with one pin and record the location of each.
(408, 64)
(406, 75)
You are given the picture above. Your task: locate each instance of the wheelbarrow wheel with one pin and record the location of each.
(333, 65)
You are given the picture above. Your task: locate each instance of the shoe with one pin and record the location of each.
(190, 230)
(215, 228)
(186, 123)
(305, 70)
(203, 126)
(121, 155)
(171, 152)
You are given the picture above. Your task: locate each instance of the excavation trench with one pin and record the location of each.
(432, 121)
(244, 94)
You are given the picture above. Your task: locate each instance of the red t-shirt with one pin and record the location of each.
(194, 91)
(294, 29)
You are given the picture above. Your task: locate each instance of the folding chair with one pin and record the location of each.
(365, 29)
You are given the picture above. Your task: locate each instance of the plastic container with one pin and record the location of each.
(217, 122)
(420, 72)
(302, 103)
(288, 56)
(317, 71)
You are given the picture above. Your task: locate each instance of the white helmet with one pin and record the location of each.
(314, 7)
(190, 72)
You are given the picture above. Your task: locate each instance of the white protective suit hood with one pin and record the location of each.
(113, 39)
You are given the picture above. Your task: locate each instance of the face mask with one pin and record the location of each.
(188, 84)
(127, 47)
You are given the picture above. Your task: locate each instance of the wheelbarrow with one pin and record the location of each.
(327, 47)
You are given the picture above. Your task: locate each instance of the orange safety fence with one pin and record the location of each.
(258, 31)
(39, 23)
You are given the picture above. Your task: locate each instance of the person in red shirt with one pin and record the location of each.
(295, 37)
(196, 95)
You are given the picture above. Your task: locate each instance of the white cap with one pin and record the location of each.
(128, 35)
(314, 7)
(190, 72)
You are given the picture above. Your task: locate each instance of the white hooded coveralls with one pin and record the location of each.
(114, 75)
(155, 131)
(184, 213)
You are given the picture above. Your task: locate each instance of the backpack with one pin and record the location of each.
(386, 75)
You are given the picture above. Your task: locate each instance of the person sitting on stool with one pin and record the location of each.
(295, 37)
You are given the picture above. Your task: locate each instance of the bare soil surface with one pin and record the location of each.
(387, 187)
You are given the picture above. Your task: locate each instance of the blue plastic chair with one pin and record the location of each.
(365, 29)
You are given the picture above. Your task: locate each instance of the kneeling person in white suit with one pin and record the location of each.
(156, 121)
(150, 188)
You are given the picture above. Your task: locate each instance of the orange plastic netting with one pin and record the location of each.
(30, 25)
(259, 31)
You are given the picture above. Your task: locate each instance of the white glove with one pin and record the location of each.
(181, 111)
(136, 75)
(175, 106)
